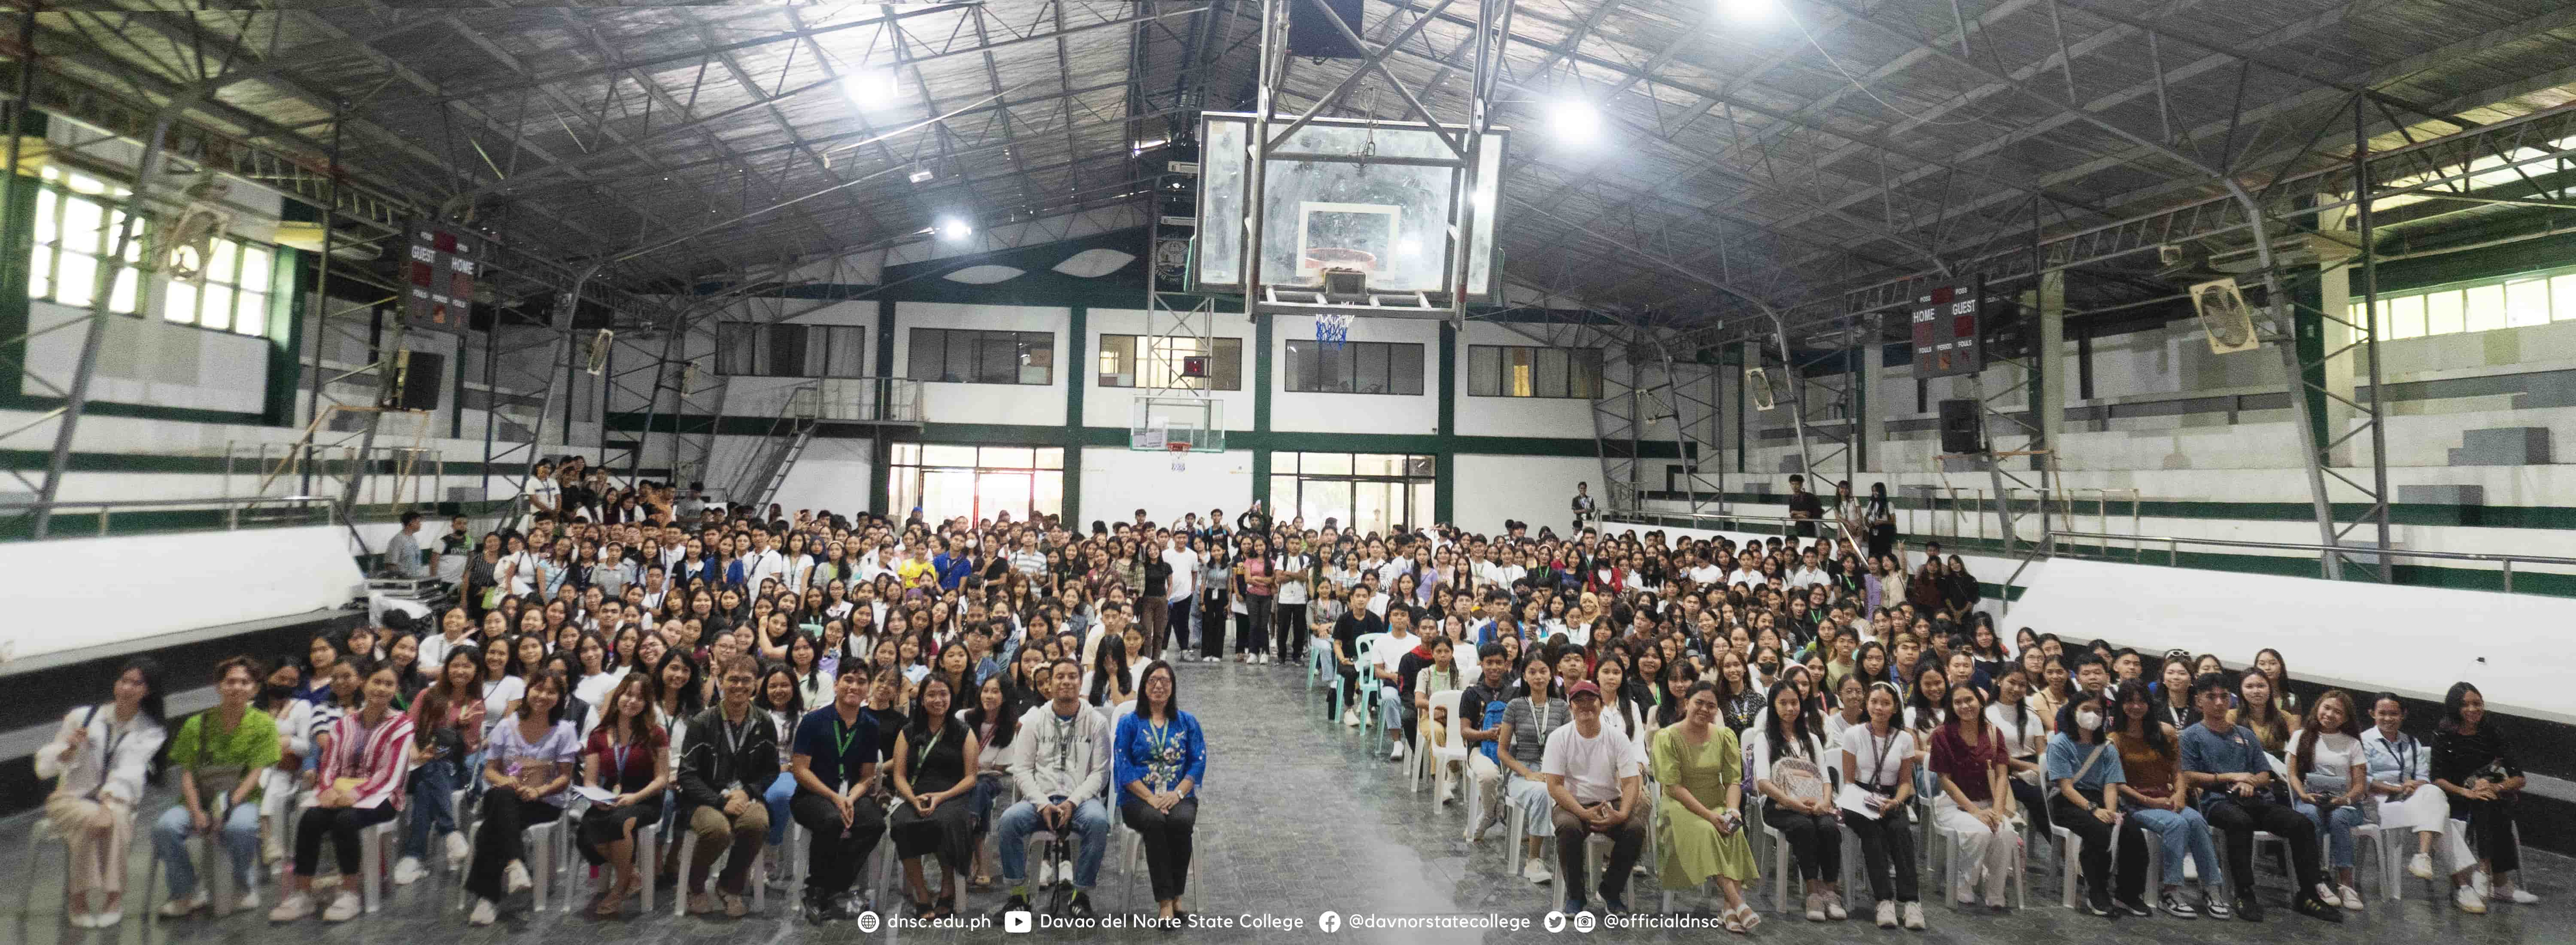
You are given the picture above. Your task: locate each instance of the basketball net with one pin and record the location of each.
(1332, 329)
(1180, 450)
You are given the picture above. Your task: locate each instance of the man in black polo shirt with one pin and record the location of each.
(835, 764)
(1480, 710)
(1355, 623)
(1804, 506)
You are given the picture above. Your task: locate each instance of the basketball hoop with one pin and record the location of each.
(1180, 450)
(1332, 329)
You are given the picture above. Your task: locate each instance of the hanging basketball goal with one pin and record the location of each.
(1332, 329)
(1177, 424)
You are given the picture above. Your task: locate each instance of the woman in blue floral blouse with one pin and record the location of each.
(1161, 757)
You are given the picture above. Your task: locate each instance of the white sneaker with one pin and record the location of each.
(2351, 897)
(1396, 753)
(1537, 872)
(485, 913)
(2483, 883)
(1834, 907)
(249, 900)
(2326, 894)
(344, 907)
(183, 908)
(295, 907)
(2515, 894)
(1914, 916)
(1351, 717)
(2421, 867)
(84, 920)
(2467, 898)
(456, 851)
(1064, 872)
(1887, 913)
(515, 877)
(1046, 874)
(408, 871)
(108, 919)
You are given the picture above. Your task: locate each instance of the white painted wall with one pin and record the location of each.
(224, 577)
(1114, 406)
(1117, 481)
(1356, 413)
(1533, 489)
(1026, 404)
(833, 474)
(150, 361)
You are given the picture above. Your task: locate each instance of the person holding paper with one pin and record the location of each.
(1878, 758)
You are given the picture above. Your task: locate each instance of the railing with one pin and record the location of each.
(2173, 551)
(858, 399)
(232, 508)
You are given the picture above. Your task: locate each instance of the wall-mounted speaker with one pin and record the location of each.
(423, 376)
(1961, 427)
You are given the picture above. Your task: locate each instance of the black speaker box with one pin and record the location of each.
(425, 376)
(1960, 423)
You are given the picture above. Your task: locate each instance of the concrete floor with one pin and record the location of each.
(1299, 818)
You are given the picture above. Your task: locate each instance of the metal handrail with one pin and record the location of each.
(231, 506)
(2173, 550)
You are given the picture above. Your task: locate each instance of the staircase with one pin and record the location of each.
(776, 453)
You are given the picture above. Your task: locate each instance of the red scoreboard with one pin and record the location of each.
(438, 280)
(1946, 332)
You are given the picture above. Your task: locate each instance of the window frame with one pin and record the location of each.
(762, 340)
(1225, 363)
(1307, 364)
(1494, 377)
(982, 344)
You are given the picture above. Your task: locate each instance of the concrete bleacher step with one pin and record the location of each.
(2551, 390)
(2442, 495)
(2503, 446)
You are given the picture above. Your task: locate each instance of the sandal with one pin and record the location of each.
(1745, 916)
(945, 907)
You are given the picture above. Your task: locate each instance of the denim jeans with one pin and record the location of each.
(237, 830)
(2183, 834)
(1090, 823)
(2337, 828)
(780, 792)
(432, 787)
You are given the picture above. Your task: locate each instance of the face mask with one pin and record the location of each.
(2088, 720)
(280, 692)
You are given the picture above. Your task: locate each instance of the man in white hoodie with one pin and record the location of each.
(1060, 763)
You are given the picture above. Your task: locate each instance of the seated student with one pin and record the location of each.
(2473, 762)
(2240, 795)
(1431, 667)
(1701, 828)
(360, 785)
(1389, 657)
(2328, 781)
(1355, 623)
(2152, 794)
(219, 755)
(528, 764)
(1968, 755)
(629, 755)
(1790, 769)
(1878, 757)
(2401, 777)
(835, 759)
(1159, 762)
(1482, 704)
(1060, 764)
(1523, 733)
(728, 761)
(931, 779)
(1592, 778)
(2085, 768)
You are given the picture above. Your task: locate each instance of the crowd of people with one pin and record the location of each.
(617, 660)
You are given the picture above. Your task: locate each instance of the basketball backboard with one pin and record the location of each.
(1156, 423)
(1379, 197)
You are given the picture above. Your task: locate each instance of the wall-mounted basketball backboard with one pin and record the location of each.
(1377, 197)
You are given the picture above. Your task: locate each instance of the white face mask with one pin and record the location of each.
(2088, 721)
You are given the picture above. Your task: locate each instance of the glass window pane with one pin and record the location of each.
(253, 319)
(1330, 464)
(2442, 313)
(255, 268)
(81, 220)
(924, 360)
(1551, 372)
(40, 283)
(1296, 363)
(1321, 500)
(2562, 297)
(1517, 381)
(1333, 368)
(1117, 360)
(1036, 355)
(1419, 466)
(961, 347)
(1283, 498)
(908, 454)
(227, 258)
(128, 283)
(1227, 372)
(1423, 508)
(1377, 464)
(1050, 457)
(1404, 364)
(179, 302)
(2406, 317)
(2526, 303)
(46, 205)
(1370, 504)
(1587, 374)
(218, 311)
(75, 277)
(1050, 494)
(2485, 307)
(1484, 371)
(933, 454)
(997, 358)
(1007, 457)
(1369, 369)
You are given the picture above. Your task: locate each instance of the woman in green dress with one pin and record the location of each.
(1701, 827)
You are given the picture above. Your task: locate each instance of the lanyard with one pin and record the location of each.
(618, 755)
(1878, 765)
(923, 755)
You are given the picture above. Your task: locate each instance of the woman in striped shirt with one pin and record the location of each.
(361, 785)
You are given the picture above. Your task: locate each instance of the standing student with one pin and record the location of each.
(2086, 770)
(1878, 757)
(360, 785)
(1700, 828)
(835, 763)
(2474, 763)
(1158, 763)
(2240, 795)
(219, 755)
(527, 765)
(1295, 572)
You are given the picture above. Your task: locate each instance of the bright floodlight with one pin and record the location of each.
(1575, 120)
(872, 89)
(955, 229)
(1748, 11)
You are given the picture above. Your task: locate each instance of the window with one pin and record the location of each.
(980, 482)
(970, 356)
(1527, 371)
(77, 219)
(757, 350)
(1160, 365)
(2516, 301)
(1369, 492)
(1358, 367)
(235, 293)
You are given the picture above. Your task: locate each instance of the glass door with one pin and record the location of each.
(998, 492)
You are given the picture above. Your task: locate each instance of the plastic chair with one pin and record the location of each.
(1371, 722)
(648, 862)
(1135, 862)
(374, 845)
(1438, 758)
(37, 835)
(2071, 849)
(1948, 849)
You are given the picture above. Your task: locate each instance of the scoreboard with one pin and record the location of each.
(1946, 332)
(438, 280)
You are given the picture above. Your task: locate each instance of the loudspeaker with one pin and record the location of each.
(423, 375)
(1310, 34)
(1960, 422)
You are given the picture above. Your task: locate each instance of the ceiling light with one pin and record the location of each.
(955, 229)
(1748, 11)
(921, 175)
(1575, 120)
(872, 89)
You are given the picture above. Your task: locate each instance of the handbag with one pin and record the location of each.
(219, 782)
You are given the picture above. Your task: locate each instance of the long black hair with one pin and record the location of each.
(2134, 689)
(1113, 651)
(1806, 725)
(1172, 702)
(1006, 720)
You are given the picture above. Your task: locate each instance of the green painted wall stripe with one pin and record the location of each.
(2420, 513)
(1072, 434)
(1262, 326)
(291, 268)
(1444, 463)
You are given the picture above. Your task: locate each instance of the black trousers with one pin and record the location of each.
(947, 832)
(2130, 881)
(1886, 845)
(341, 826)
(1815, 842)
(503, 838)
(1252, 627)
(833, 864)
(1288, 626)
(1213, 609)
(2490, 831)
(1167, 842)
(1626, 841)
(2236, 819)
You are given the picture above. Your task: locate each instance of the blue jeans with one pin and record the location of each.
(2186, 833)
(987, 785)
(238, 837)
(780, 792)
(1090, 823)
(1390, 707)
(432, 786)
(2337, 828)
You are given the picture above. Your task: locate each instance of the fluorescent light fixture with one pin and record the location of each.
(921, 175)
(1408, 246)
(872, 89)
(1144, 146)
(1575, 120)
(1748, 11)
(955, 229)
